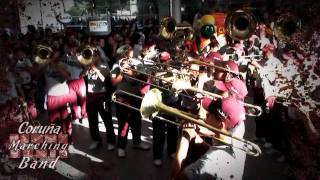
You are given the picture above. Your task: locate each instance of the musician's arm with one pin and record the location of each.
(181, 155)
(116, 76)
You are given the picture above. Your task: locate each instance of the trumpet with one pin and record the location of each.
(152, 104)
(43, 54)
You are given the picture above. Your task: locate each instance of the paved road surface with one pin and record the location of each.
(103, 164)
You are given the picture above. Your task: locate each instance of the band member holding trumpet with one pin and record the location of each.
(96, 72)
(219, 161)
(127, 117)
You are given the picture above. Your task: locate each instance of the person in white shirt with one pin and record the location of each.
(60, 97)
(76, 82)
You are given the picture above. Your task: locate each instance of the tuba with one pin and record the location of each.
(285, 26)
(240, 24)
(87, 55)
(43, 54)
(167, 27)
(170, 30)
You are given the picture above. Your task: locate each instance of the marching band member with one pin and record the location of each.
(273, 85)
(270, 74)
(76, 82)
(219, 161)
(97, 76)
(60, 97)
(127, 117)
(223, 77)
(160, 127)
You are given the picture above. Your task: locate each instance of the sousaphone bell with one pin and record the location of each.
(285, 26)
(43, 54)
(240, 24)
(87, 55)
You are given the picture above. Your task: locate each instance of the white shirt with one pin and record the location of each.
(270, 74)
(56, 84)
(264, 41)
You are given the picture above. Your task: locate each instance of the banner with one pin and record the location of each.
(99, 27)
(220, 18)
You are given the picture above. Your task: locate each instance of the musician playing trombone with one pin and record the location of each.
(127, 117)
(163, 130)
(216, 160)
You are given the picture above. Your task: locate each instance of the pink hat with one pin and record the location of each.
(206, 101)
(234, 109)
(213, 56)
(233, 66)
(231, 107)
(235, 85)
(268, 47)
(165, 56)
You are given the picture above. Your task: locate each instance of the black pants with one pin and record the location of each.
(102, 105)
(159, 133)
(271, 124)
(262, 124)
(128, 117)
(278, 134)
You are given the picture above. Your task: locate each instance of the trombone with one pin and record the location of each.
(192, 60)
(151, 105)
(114, 99)
(180, 84)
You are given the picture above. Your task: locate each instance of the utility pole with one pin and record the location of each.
(175, 10)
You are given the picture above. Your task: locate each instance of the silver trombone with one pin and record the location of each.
(181, 85)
